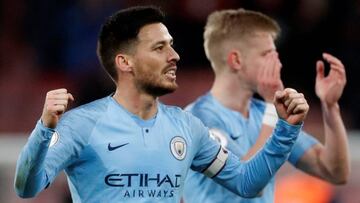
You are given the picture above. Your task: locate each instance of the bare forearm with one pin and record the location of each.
(335, 155)
(268, 123)
(263, 137)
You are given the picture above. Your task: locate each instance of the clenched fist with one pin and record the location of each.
(56, 102)
(291, 106)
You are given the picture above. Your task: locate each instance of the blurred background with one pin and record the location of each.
(51, 44)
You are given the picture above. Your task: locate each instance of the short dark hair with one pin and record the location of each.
(120, 31)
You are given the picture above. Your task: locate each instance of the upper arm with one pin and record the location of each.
(63, 151)
(206, 148)
(305, 155)
(310, 162)
(39, 163)
(73, 132)
(303, 146)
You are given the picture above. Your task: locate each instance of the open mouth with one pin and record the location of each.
(171, 73)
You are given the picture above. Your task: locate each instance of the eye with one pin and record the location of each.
(159, 48)
(265, 53)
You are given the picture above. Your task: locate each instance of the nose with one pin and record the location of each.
(173, 55)
(276, 56)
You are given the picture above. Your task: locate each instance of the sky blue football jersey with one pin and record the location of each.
(237, 134)
(111, 155)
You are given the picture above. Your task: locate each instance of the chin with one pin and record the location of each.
(163, 91)
(158, 91)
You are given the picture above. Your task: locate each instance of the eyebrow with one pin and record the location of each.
(163, 42)
(268, 51)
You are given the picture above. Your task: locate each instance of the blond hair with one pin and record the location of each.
(229, 26)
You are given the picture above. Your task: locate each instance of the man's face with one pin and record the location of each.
(256, 54)
(155, 61)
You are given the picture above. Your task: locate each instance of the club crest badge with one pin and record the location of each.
(178, 147)
(54, 139)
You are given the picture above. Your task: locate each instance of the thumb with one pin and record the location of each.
(71, 97)
(319, 70)
(279, 95)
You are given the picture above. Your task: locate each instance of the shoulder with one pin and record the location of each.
(202, 102)
(90, 109)
(86, 114)
(175, 112)
(204, 108)
(209, 111)
(180, 116)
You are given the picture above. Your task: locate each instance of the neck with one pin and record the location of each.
(140, 104)
(231, 93)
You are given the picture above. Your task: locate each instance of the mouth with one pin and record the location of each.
(171, 73)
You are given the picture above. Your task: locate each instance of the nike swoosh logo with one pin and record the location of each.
(111, 148)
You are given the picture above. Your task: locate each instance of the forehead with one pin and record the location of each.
(260, 39)
(153, 33)
(259, 42)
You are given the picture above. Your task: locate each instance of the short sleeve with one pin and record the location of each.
(302, 144)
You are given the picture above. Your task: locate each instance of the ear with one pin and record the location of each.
(123, 62)
(234, 59)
